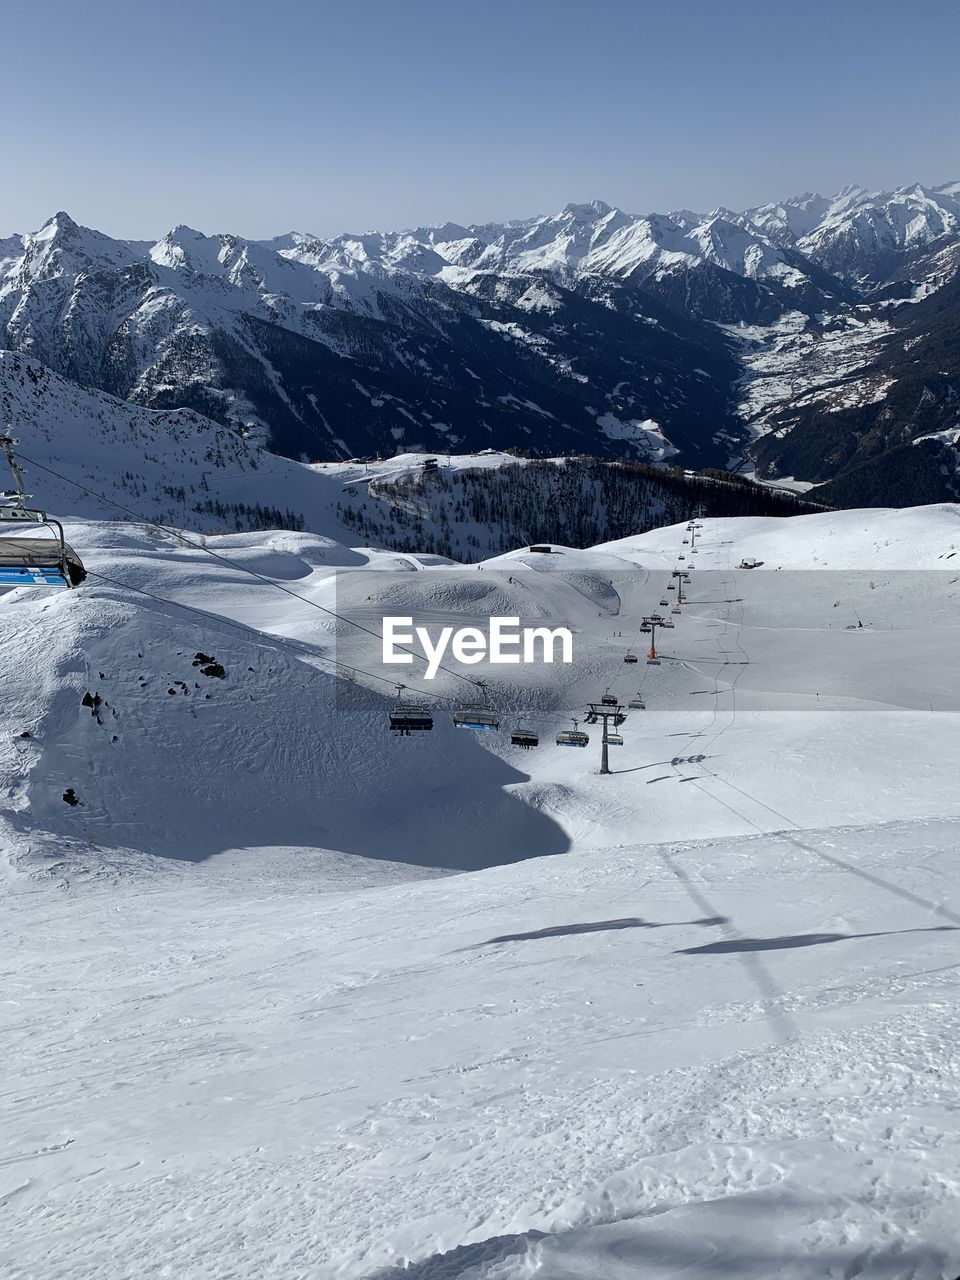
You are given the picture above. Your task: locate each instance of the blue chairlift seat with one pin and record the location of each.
(478, 717)
(572, 738)
(27, 562)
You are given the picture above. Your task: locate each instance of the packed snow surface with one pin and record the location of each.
(285, 996)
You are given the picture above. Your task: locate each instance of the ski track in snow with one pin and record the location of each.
(710, 1032)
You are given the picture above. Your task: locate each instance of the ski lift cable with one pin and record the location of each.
(251, 633)
(235, 564)
(283, 641)
(630, 648)
(303, 647)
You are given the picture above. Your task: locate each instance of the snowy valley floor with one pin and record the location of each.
(496, 1017)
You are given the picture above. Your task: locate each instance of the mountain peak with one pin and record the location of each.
(182, 232)
(594, 209)
(61, 224)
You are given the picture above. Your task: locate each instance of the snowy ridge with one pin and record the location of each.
(598, 238)
(771, 339)
(179, 468)
(172, 466)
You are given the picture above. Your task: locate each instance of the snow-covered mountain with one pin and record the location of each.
(864, 236)
(286, 995)
(331, 350)
(591, 330)
(91, 455)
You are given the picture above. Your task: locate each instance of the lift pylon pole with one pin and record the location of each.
(652, 621)
(600, 712)
(7, 442)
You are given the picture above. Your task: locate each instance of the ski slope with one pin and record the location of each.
(292, 997)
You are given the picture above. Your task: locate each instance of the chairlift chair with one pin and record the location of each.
(614, 740)
(574, 737)
(479, 715)
(630, 657)
(664, 602)
(407, 716)
(525, 737)
(637, 703)
(32, 561)
(39, 562)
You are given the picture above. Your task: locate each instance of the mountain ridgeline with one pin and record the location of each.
(812, 337)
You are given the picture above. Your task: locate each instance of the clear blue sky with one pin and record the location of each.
(258, 118)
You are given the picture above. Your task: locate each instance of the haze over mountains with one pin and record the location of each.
(813, 337)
